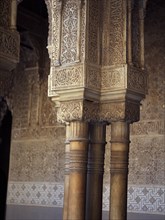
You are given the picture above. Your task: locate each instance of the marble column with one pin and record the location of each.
(119, 170)
(78, 170)
(66, 181)
(95, 171)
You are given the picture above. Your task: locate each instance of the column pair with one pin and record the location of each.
(84, 171)
(85, 147)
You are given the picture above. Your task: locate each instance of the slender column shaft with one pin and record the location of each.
(130, 31)
(66, 181)
(78, 170)
(119, 170)
(141, 26)
(13, 14)
(95, 171)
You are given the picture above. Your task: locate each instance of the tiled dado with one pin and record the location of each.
(141, 199)
(35, 193)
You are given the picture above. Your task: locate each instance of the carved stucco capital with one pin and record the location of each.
(79, 110)
(128, 111)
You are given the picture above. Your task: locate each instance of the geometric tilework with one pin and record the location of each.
(146, 199)
(141, 199)
(35, 193)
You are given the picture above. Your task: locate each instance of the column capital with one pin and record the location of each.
(128, 111)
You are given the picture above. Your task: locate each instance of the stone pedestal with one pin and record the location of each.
(95, 171)
(78, 170)
(119, 170)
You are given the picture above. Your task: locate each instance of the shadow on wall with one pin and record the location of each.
(5, 138)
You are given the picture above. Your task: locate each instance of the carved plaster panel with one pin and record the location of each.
(55, 39)
(113, 78)
(137, 79)
(5, 12)
(135, 34)
(9, 49)
(114, 36)
(9, 43)
(83, 32)
(67, 77)
(69, 32)
(34, 160)
(132, 111)
(93, 77)
(94, 32)
(66, 41)
(48, 112)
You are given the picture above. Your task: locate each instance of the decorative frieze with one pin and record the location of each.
(36, 132)
(148, 127)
